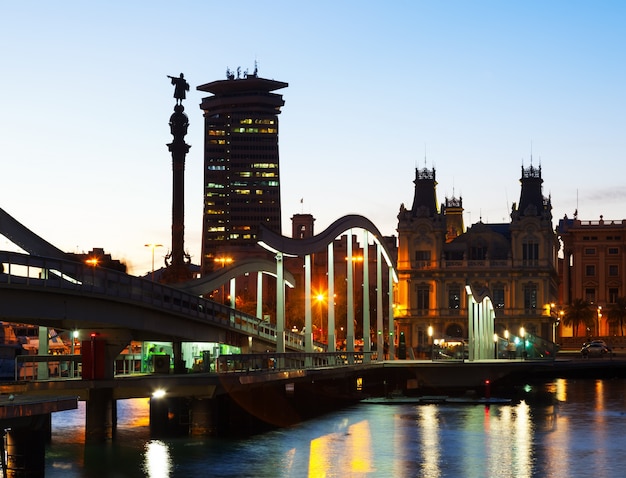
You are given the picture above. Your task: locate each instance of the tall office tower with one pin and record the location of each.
(241, 167)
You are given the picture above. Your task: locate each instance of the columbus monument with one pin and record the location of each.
(177, 261)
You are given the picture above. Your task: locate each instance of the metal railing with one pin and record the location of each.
(40, 272)
(289, 361)
(29, 367)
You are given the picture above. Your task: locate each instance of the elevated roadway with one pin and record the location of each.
(69, 295)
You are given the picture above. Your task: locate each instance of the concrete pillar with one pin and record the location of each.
(350, 296)
(26, 448)
(101, 415)
(280, 304)
(367, 337)
(308, 323)
(380, 338)
(392, 347)
(169, 416)
(179, 362)
(259, 295)
(202, 420)
(332, 339)
(43, 372)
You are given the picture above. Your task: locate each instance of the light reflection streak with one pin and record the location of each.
(323, 458)
(522, 463)
(157, 460)
(429, 425)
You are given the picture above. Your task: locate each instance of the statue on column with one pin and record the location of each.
(180, 87)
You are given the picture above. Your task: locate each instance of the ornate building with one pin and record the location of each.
(594, 270)
(514, 263)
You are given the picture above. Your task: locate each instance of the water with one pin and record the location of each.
(581, 435)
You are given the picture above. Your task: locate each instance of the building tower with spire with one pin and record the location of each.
(241, 165)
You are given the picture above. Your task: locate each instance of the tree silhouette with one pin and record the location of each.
(579, 312)
(617, 313)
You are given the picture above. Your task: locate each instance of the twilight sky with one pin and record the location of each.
(476, 89)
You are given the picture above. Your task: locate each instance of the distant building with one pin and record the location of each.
(241, 166)
(594, 269)
(514, 263)
(98, 258)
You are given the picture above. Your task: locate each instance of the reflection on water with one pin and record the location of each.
(581, 430)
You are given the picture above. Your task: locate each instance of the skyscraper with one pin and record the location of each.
(241, 166)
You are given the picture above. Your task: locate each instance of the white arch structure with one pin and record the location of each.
(481, 324)
(288, 247)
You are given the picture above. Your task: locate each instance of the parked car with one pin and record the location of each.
(597, 348)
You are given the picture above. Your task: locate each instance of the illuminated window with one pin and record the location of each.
(454, 298)
(498, 297)
(422, 297)
(530, 297)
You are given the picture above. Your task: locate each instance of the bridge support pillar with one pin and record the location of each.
(26, 448)
(179, 362)
(169, 416)
(203, 418)
(101, 415)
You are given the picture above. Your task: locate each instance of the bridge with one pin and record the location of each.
(46, 288)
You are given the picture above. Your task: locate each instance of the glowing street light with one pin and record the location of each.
(153, 247)
(320, 300)
(224, 260)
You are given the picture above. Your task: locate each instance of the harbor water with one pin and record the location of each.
(565, 428)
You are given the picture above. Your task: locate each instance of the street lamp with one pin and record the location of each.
(320, 300)
(557, 315)
(430, 342)
(495, 348)
(224, 261)
(153, 247)
(522, 334)
(599, 317)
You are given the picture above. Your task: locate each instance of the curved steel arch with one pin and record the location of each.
(300, 247)
(217, 278)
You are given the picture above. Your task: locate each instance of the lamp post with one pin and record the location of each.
(152, 248)
(72, 366)
(320, 300)
(522, 334)
(495, 346)
(93, 262)
(430, 342)
(599, 316)
(224, 261)
(556, 315)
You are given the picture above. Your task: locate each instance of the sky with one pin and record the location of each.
(475, 89)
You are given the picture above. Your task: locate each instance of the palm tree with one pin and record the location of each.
(579, 312)
(617, 313)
